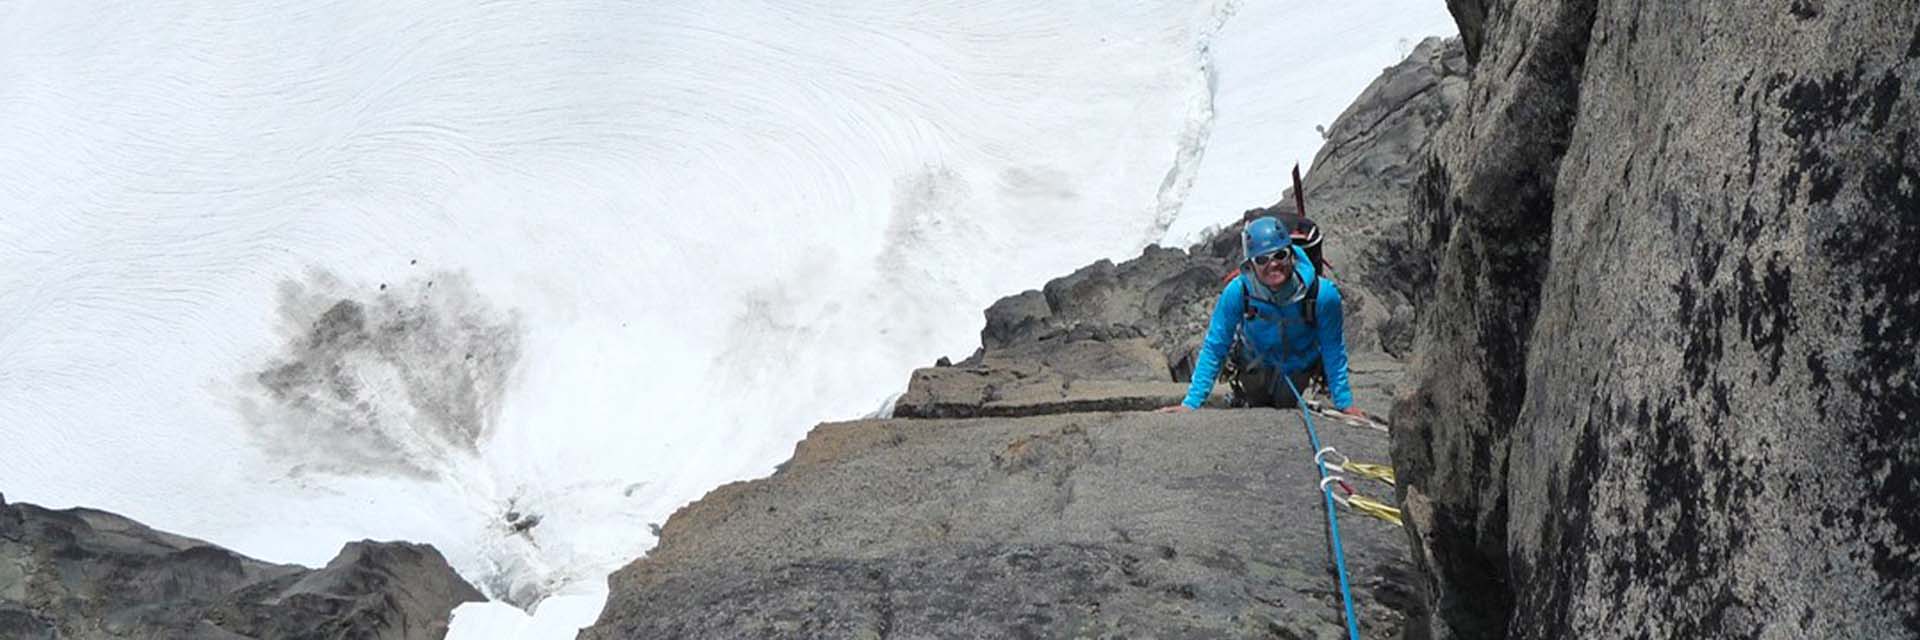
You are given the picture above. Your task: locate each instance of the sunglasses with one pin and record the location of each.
(1282, 256)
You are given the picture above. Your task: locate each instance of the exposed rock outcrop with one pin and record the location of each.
(1471, 16)
(1071, 371)
(82, 573)
(1164, 296)
(1360, 185)
(1077, 525)
(1666, 385)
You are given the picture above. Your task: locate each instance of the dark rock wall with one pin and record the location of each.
(1471, 16)
(1666, 383)
(1486, 204)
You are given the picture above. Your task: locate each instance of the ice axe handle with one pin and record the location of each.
(1299, 192)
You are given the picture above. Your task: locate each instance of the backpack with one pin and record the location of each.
(1305, 235)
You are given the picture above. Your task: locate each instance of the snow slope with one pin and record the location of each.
(282, 275)
(1283, 68)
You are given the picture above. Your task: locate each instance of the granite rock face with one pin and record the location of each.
(1665, 386)
(81, 573)
(1204, 525)
(1360, 185)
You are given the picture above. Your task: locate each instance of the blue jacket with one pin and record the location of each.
(1278, 334)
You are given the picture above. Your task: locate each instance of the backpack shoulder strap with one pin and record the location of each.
(1308, 304)
(1246, 301)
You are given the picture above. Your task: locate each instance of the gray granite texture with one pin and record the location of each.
(1666, 385)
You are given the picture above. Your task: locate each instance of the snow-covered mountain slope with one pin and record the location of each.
(1283, 70)
(520, 278)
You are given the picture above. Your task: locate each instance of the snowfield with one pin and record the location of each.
(520, 278)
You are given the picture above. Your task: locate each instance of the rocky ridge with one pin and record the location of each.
(82, 573)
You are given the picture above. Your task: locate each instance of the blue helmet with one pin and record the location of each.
(1262, 236)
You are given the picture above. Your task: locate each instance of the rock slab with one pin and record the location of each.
(1204, 525)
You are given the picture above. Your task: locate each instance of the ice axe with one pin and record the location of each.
(1299, 192)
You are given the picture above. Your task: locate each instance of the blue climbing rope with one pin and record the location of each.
(1333, 518)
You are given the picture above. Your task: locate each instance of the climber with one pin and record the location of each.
(1277, 317)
